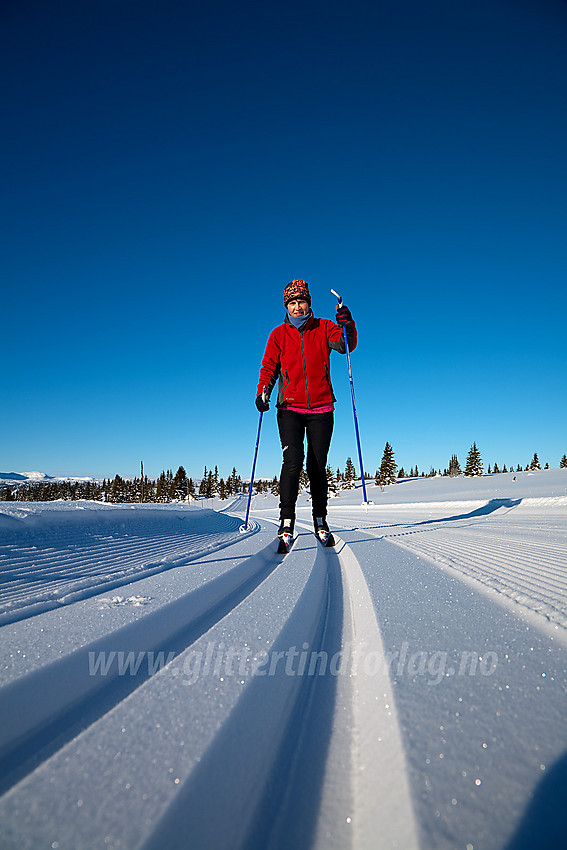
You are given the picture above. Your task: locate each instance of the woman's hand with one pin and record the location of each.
(262, 403)
(343, 316)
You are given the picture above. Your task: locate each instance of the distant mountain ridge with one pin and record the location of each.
(25, 476)
(8, 478)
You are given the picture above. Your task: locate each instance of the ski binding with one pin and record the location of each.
(284, 545)
(325, 537)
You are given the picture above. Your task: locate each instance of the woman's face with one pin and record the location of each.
(298, 307)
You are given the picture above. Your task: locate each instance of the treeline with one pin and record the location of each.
(166, 488)
(389, 474)
(178, 487)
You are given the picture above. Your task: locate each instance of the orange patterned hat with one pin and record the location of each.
(296, 289)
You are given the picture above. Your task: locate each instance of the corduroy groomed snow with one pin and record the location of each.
(296, 289)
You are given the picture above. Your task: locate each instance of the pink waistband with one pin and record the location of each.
(324, 408)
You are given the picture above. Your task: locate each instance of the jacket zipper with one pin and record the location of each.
(328, 377)
(285, 383)
(304, 368)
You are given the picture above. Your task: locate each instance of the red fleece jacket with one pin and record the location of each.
(300, 361)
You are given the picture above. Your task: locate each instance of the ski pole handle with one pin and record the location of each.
(339, 305)
(338, 297)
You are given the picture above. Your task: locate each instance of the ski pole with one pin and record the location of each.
(245, 526)
(340, 300)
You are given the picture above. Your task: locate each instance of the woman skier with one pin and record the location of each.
(298, 357)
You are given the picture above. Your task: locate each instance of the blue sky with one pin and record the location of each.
(167, 167)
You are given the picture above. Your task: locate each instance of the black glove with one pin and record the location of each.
(261, 404)
(343, 316)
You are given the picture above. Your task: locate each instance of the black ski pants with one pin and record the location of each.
(319, 429)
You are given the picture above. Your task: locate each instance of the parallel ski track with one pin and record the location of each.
(69, 710)
(48, 576)
(286, 774)
(530, 572)
(500, 554)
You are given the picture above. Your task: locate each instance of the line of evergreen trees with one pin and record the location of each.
(166, 488)
(389, 474)
(474, 465)
(179, 487)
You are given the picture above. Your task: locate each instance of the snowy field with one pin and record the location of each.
(170, 682)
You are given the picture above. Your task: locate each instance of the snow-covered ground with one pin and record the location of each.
(170, 682)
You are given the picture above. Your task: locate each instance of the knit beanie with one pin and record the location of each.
(296, 289)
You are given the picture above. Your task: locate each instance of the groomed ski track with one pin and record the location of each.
(276, 755)
(404, 689)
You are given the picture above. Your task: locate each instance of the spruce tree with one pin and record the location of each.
(454, 467)
(331, 483)
(474, 462)
(179, 485)
(233, 482)
(203, 483)
(388, 473)
(563, 462)
(349, 476)
(535, 464)
(117, 490)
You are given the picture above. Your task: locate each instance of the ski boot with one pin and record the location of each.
(285, 536)
(322, 531)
